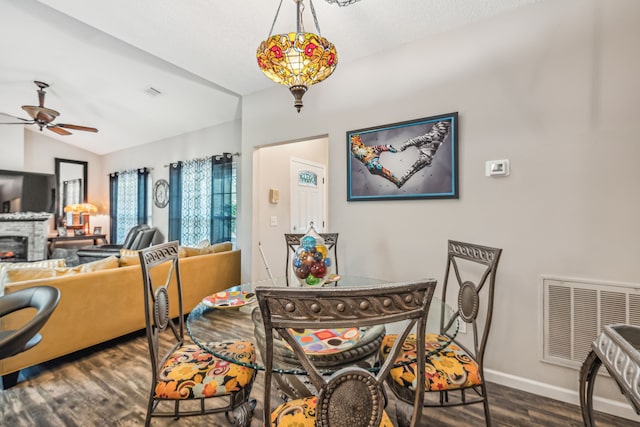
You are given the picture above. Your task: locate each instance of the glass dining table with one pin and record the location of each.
(234, 315)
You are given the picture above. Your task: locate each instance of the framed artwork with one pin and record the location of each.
(416, 159)
(97, 230)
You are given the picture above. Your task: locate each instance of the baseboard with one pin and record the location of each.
(608, 406)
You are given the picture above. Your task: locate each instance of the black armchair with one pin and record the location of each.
(45, 300)
(139, 237)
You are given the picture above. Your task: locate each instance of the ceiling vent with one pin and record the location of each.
(152, 91)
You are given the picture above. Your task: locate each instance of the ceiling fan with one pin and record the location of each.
(43, 116)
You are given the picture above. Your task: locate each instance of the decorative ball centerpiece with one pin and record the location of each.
(310, 263)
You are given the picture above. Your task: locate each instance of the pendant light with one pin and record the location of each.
(297, 59)
(342, 2)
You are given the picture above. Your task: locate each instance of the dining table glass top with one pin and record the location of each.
(234, 315)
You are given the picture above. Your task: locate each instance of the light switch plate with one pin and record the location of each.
(274, 221)
(274, 196)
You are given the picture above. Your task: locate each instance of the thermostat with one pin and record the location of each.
(497, 168)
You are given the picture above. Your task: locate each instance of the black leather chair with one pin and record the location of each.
(139, 237)
(45, 300)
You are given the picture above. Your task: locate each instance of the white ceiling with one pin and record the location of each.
(100, 56)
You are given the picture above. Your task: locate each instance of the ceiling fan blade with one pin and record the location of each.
(8, 119)
(58, 130)
(76, 127)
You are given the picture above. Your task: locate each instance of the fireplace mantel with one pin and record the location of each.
(25, 216)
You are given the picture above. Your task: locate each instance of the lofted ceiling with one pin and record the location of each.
(101, 58)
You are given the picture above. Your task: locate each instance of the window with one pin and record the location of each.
(202, 200)
(129, 201)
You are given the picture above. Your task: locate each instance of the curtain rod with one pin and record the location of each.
(127, 170)
(232, 155)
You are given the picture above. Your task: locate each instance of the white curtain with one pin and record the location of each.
(127, 213)
(196, 201)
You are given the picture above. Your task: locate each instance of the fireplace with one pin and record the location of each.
(13, 248)
(34, 226)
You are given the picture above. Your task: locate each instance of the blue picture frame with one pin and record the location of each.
(415, 159)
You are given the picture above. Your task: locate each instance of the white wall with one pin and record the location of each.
(37, 154)
(12, 143)
(552, 87)
(156, 155)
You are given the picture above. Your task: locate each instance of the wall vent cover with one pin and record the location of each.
(575, 311)
(152, 91)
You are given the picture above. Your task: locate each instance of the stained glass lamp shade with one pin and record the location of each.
(297, 60)
(342, 2)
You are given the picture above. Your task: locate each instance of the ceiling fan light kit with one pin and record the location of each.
(43, 116)
(297, 60)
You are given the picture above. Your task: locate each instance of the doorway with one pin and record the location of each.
(272, 216)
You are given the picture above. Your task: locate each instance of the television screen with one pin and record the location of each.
(27, 192)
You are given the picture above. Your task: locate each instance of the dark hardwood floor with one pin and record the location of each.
(107, 385)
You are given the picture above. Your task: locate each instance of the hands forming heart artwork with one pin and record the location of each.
(427, 146)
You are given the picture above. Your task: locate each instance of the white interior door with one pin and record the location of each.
(307, 196)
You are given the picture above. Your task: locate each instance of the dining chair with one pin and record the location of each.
(292, 241)
(350, 396)
(182, 371)
(44, 299)
(458, 368)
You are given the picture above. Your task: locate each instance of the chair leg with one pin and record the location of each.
(150, 408)
(10, 380)
(403, 413)
(588, 373)
(242, 414)
(485, 403)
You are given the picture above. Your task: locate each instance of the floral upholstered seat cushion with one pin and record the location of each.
(302, 413)
(192, 373)
(448, 369)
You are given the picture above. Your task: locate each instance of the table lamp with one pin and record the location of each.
(84, 210)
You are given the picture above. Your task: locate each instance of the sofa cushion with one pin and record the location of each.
(60, 262)
(18, 274)
(48, 263)
(218, 247)
(101, 264)
(185, 251)
(129, 257)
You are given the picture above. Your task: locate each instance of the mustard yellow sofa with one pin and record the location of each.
(102, 305)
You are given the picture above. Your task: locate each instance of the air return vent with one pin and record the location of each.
(152, 91)
(576, 310)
